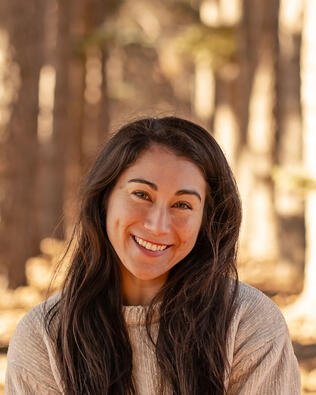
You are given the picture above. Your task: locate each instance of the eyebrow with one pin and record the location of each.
(155, 188)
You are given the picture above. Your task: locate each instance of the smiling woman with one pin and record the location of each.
(152, 303)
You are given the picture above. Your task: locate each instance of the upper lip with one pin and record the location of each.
(152, 242)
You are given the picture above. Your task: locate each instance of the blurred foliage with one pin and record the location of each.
(295, 180)
(215, 44)
(194, 40)
(112, 34)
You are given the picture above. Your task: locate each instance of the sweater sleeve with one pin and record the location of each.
(21, 382)
(264, 362)
(29, 365)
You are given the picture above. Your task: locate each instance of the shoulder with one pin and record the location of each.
(259, 347)
(257, 318)
(31, 349)
(32, 323)
(254, 304)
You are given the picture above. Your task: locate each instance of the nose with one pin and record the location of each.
(157, 220)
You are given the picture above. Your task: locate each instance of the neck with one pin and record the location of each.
(137, 291)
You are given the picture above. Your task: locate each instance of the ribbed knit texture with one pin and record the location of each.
(259, 349)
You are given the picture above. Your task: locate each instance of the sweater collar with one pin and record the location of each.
(136, 315)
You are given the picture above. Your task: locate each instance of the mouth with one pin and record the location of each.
(150, 246)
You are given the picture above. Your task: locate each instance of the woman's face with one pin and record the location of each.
(154, 213)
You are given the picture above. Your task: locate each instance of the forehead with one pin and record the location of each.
(160, 165)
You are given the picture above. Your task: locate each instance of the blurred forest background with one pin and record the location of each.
(73, 71)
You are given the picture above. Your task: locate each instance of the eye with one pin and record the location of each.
(183, 205)
(141, 195)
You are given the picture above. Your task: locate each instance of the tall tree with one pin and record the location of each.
(305, 305)
(288, 150)
(255, 103)
(19, 235)
(80, 112)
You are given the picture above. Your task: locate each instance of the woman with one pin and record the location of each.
(151, 303)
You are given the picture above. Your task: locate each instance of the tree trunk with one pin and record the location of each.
(19, 233)
(96, 100)
(255, 108)
(288, 152)
(214, 98)
(80, 101)
(308, 89)
(301, 315)
(51, 143)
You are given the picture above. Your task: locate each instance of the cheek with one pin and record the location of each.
(188, 228)
(123, 214)
(115, 218)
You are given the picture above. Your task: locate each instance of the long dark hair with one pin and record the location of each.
(93, 350)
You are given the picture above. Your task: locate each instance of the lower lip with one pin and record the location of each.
(148, 252)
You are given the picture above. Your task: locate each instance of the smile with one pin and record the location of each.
(150, 246)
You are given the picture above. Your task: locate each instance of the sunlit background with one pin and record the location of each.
(73, 71)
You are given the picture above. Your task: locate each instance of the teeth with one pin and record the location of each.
(149, 246)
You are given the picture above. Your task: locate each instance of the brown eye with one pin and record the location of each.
(183, 206)
(141, 195)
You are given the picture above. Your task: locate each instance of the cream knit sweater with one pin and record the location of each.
(259, 348)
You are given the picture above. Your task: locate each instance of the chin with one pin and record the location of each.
(147, 277)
